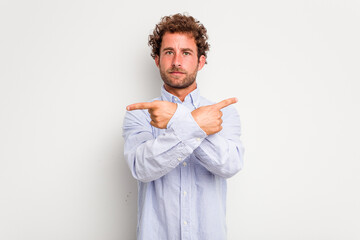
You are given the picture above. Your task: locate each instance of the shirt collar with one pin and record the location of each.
(192, 98)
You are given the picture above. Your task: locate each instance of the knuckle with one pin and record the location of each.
(156, 103)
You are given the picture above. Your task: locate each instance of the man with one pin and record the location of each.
(181, 147)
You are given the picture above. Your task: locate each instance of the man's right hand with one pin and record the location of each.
(209, 117)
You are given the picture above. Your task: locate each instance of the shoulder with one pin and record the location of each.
(204, 101)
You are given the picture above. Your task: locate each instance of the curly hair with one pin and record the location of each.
(179, 23)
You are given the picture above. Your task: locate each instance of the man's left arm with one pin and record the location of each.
(222, 153)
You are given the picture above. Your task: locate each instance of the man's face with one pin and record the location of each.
(178, 61)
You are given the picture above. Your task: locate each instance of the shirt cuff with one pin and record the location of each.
(186, 128)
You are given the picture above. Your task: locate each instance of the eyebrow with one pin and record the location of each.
(182, 49)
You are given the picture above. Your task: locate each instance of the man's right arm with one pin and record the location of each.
(150, 158)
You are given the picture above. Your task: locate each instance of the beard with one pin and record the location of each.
(175, 81)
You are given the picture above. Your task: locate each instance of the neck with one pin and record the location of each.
(181, 93)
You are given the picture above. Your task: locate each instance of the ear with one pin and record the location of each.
(202, 61)
(157, 60)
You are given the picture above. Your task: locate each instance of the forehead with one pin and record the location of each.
(178, 40)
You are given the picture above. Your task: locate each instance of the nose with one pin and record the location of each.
(176, 61)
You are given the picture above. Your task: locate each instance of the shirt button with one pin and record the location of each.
(198, 139)
(185, 193)
(184, 163)
(185, 223)
(179, 159)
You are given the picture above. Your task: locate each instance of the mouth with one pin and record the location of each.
(177, 72)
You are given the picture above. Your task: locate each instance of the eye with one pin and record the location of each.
(168, 52)
(186, 53)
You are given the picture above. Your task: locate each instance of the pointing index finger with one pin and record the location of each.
(137, 106)
(226, 102)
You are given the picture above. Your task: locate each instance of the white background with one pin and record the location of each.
(69, 68)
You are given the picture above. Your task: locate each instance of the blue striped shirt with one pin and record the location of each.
(181, 171)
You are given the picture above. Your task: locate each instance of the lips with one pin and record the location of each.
(177, 72)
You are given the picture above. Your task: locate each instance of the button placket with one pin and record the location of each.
(185, 200)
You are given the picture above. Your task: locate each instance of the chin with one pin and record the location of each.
(180, 86)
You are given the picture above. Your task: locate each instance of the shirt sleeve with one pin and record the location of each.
(222, 153)
(149, 157)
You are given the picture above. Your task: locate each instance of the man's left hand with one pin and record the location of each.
(160, 111)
